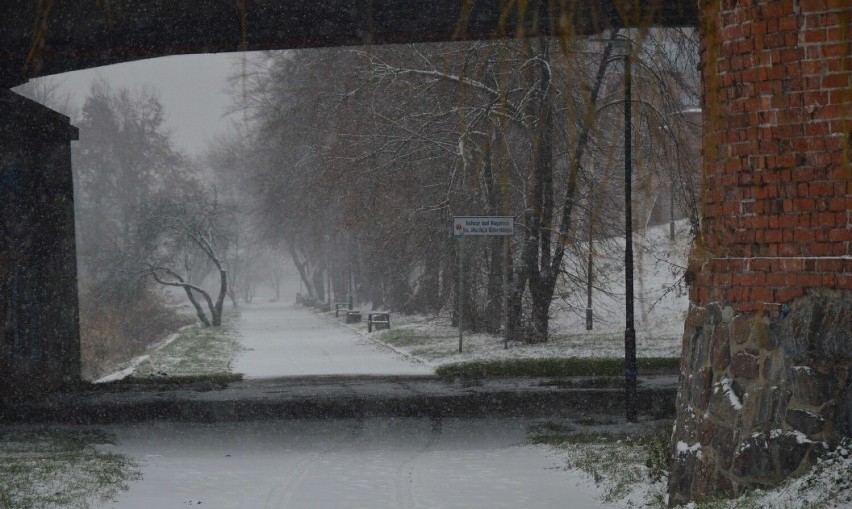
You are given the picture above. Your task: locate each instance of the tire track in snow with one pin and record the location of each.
(279, 497)
(403, 493)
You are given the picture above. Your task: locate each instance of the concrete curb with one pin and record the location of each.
(337, 397)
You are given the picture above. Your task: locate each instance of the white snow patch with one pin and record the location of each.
(801, 438)
(725, 385)
(124, 373)
(806, 369)
(682, 449)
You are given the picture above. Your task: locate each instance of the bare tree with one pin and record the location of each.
(366, 154)
(175, 230)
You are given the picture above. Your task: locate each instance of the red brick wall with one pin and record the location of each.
(777, 196)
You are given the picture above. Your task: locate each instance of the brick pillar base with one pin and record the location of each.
(767, 349)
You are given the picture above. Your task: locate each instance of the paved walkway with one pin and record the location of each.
(290, 340)
(369, 464)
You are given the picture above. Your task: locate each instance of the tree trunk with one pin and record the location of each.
(319, 285)
(302, 268)
(199, 311)
(537, 272)
(428, 297)
(216, 310)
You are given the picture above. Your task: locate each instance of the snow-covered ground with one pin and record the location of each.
(289, 340)
(661, 305)
(277, 339)
(370, 464)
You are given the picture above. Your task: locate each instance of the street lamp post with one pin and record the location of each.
(629, 329)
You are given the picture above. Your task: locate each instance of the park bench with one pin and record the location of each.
(378, 321)
(341, 305)
(353, 316)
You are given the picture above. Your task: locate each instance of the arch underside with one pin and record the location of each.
(42, 38)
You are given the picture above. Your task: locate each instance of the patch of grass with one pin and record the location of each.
(593, 382)
(549, 433)
(434, 353)
(595, 421)
(59, 468)
(407, 337)
(554, 367)
(618, 463)
(196, 352)
(208, 381)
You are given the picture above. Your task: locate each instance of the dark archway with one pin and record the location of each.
(40, 38)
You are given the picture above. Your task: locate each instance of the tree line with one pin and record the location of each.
(356, 160)
(349, 164)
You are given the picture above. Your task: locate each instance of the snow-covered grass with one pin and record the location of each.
(193, 351)
(554, 367)
(628, 466)
(625, 462)
(827, 485)
(43, 468)
(661, 306)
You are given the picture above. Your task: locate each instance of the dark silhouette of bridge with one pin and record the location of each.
(41, 38)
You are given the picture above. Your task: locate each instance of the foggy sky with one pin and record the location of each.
(192, 89)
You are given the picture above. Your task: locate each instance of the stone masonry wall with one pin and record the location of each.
(767, 348)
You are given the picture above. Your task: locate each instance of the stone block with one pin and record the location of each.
(817, 327)
(714, 313)
(753, 460)
(772, 365)
(704, 480)
(681, 476)
(745, 364)
(702, 389)
(721, 406)
(695, 317)
(788, 451)
(720, 356)
(810, 387)
(698, 349)
(724, 445)
(706, 432)
(771, 408)
(752, 402)
(843, 414)
(804, 421)
(741, 328)
(762, 334)
(724, 486)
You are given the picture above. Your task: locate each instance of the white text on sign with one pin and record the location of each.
(483, 225)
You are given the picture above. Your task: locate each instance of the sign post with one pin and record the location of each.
(479, 226)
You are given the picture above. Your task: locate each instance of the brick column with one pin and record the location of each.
(765, 368)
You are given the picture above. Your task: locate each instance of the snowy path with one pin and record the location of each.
(371, 464)
(289, 340)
